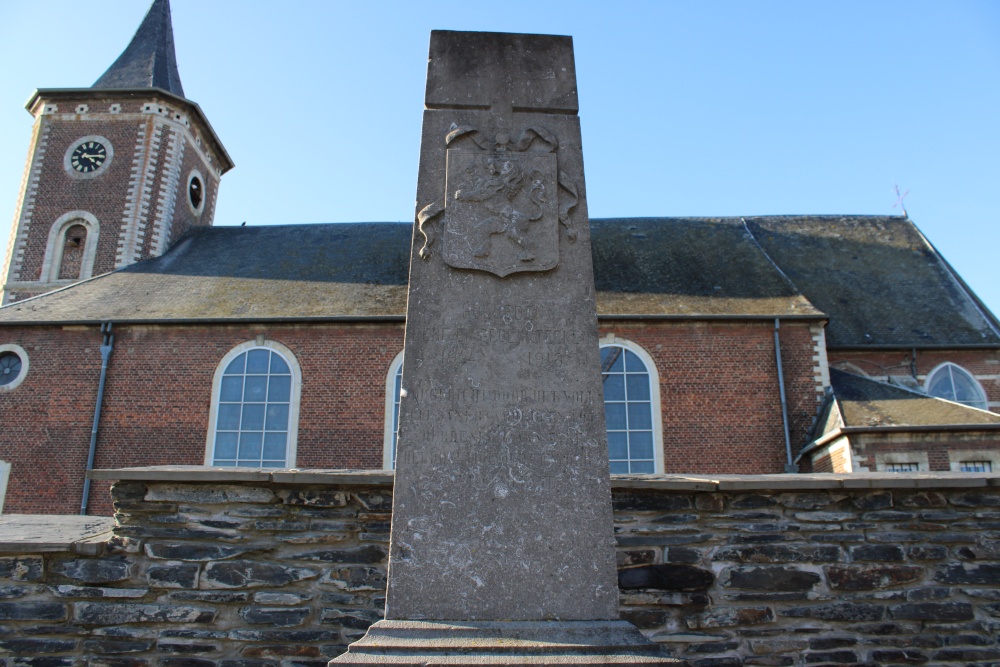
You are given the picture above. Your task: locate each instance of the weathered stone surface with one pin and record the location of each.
(927, 552)
(674, 554)
(899, 657)
(66, 591)
(245, 573)
(107, 646)
(876, 552)
(21, 568)
(95, 571)
(771, 578)
(357, 619)
(114, 614)
(32, 611)
(24, 647)
(173, 575)
(838, 611)
(356, 579)
(984, 573)
(667, 577)
(779, 553)
(363, 555)
(731, 616)
(871, 577)
(209, 494)
(193, 552)
(210, 596)
(932, 611)
(502, 454)
(275, 616)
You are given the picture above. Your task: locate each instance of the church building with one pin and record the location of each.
(135, 333)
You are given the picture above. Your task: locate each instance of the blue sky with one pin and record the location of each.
(694, 108)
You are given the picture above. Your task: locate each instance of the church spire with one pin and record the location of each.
(149, 60)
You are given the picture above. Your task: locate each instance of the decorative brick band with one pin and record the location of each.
(26, 204)
(173, 158)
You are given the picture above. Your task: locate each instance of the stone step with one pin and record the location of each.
(503, 643)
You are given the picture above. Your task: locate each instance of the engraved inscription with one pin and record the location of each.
(501, 212)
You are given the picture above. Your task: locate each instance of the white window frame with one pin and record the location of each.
(291, 454)
(654, 394)
(959, 456)
(955, 367)
(54, 248)
(20, 352)
(4, 479)
(883, 459)
(390, 403)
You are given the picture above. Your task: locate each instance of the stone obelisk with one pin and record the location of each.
(502, 548)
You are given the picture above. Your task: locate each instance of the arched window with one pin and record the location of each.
(255, 400)
(954, 383)
(71, 248)
(393, 384)
(631, 408)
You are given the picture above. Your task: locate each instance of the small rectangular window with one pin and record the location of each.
(976, 466)
(902, 467)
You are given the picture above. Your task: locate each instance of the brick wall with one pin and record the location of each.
(718, 387)
(722, 572)
(719, 391)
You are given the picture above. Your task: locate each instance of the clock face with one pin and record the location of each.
(88, 156)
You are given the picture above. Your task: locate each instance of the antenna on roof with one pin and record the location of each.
(899, 200)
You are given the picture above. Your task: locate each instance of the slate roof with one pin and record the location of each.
(149, 61)
(648, 267)
(878, 278)
(865, 402)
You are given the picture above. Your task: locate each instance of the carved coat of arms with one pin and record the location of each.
(502, 207)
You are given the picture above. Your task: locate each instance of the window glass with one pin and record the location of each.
(397, 385)
(10, 367)
(902, 467)
(628, 410)
(954, 383)
(253, 413)
(976, 466)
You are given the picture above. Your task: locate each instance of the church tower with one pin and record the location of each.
(116, 172)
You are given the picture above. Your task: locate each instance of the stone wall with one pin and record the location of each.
(255, 569)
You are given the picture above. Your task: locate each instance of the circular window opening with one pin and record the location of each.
(10, 368)
(196, 192)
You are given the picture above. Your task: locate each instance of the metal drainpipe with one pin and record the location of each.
(790, 466)
(107, 344)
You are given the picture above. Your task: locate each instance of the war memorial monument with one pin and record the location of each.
(501, 548)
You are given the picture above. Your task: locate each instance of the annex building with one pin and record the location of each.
(134, 333)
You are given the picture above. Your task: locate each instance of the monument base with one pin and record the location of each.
(452, 643)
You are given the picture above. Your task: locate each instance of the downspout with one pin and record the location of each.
(107, 344)
(790, 466)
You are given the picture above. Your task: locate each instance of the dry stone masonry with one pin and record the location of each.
(283, 571)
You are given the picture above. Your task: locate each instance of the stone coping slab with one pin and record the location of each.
(36, 533)
(704, 483)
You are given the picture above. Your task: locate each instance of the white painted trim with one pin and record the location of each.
(982, 392)
(293, 407)
(4, 479)
(196, 210)
(956, 457)
(68, 157)
(52, 260)
(390, 396)
(654, 394)
(19, 351)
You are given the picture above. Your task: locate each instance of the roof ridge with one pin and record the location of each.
(149, 61)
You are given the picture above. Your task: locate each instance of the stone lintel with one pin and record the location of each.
(33, 533)
(429, 643)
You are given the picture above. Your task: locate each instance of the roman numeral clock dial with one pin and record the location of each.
(88, 157)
